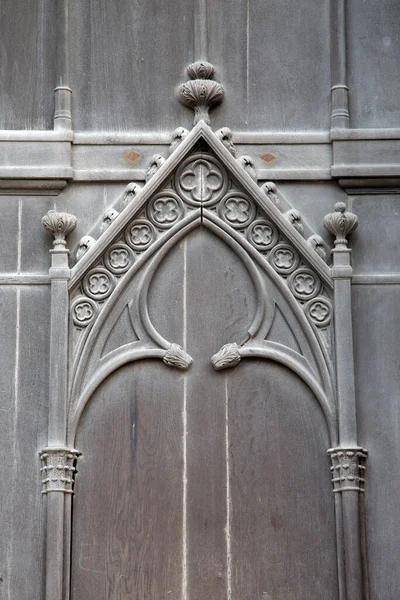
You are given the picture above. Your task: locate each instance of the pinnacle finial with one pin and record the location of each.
(201, 93)
(340, 223)
(59, 224)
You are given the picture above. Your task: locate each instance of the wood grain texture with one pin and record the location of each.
(282, 525)
(127, 508)
(220, 307)
(27, 64)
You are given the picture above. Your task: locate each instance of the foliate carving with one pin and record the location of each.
(176, 356)
(227, 356)
(340, 223)
(263, 235)
(319, 311)
(201, 94)
(237, 209)
(269, 188)
(225, 135)
(84, 244)
(201, 180)
(59, 224)
(165, 209)
(304, 284)
(156, 162)
(83, 311)
(294, 218)
(348, 469)
(140, 235)
(317, 244)
(131, 191)
(284, 259)
(109, 216)
(118, 258)
(247, 163)
(177, 138)
(98, 283)
(58, 469)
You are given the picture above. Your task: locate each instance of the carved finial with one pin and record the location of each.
(131, 191)
(247, 163)
(269, 188)
(109, 216)
(228, 356)
(84, 244)
(176, 356)
(225, 135)
(177, 138)
(156, 162)
(340, 223)
(201, 94)
(294, 218)
(60, 225)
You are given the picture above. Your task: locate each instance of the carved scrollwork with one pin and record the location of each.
(83, 311)
(118, 258)
(165, 209)
(319, 311)
(304, 284)
(98, 283)
(348, 469)
(177, 357)
(140, 235)
(284, 259)
(263, 235)
(227, 356)
(237, 209)
(58, 469)
(202, 180)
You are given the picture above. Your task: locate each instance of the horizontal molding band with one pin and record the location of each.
(365, 170)
(56, 172)
(24, 279)
(376, 279)
(365, 134)
(35, 136)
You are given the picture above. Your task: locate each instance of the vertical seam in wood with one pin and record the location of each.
(228, 495)
(184, 417)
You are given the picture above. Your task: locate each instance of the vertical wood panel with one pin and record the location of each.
(282, 527)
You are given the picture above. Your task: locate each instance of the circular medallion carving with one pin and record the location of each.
(263, 235)
(140, 235)
(237, 210)
(304, 284)
(284, 259)
(165, 209)
(98, 283)
(319, 311)
(83, 311)
(118, 258)
(201, 180)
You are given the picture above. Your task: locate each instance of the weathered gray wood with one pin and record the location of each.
(127, 508)
(220, 290)
(279, 486)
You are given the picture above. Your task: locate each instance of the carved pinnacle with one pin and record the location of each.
(59, 224)
(201, 93)
(340, 223)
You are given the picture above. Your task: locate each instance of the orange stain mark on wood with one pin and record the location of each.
(132, 157)
(269, 158)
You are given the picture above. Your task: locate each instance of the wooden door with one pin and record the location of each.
(203, 484)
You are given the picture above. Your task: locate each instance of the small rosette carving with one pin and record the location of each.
(59, 224)
(177, 357)
(340, 223)
(227, 356)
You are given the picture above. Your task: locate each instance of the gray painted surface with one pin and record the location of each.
(125, 63)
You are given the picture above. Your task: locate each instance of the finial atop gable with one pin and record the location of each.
(201, 93)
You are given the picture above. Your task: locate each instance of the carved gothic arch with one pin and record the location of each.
(201, 184)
